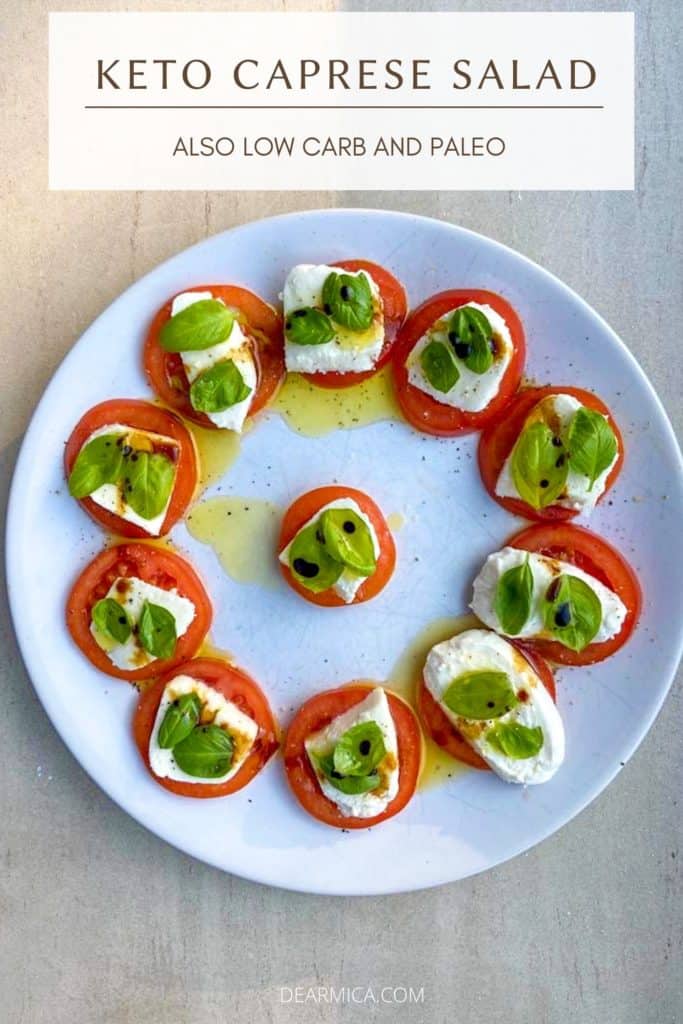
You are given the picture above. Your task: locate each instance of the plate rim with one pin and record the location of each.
(12, 524)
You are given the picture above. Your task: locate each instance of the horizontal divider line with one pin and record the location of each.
(220, 106)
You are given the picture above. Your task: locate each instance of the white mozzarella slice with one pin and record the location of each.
(374, 708)
(111, 496)
(349, 583)
(478, 650)
(186, 299)
(349, 351)
(236, 347)
(544, 571)
(216, 710)
(132, 593)
(558, 410)
(472, 392)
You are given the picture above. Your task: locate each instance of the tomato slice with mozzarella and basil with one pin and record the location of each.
(499, 438)
(142, 419)
(235, 686)
(395, 307)
(444, 733)
(315, 715)
(595, 556)
(262, 326)
(154, 567)
(423, 411)
(304, 509)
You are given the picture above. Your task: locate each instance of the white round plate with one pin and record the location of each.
(448, 831)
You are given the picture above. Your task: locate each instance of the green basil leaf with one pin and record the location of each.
(592, 444)
(512, 600)
(359, 750)
(179, 720)
(202, 325)
(308, 326)
(572, 611)
(348, 540)
(539, 468)
(348, 300)
(218, 388)
(439, 366)
(347, 783)
(470, 333)
(516, 741)
(111, 620)
(311, 564)
(480, 695)
(206, 753)
(99, 462)
(147, 483)
(157, 631)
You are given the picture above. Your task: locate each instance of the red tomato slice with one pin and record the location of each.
(140, 416)
(259, 321)
(234, 685)
(499, 438)
(318, 712)
(444, 733)
(422, 411)
(594, 555)
(305, 508)
(153, 565)
(395, 308)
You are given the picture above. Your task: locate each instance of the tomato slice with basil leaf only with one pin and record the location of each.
(259, 321)
(306, 508)
(421, 410)
(153, 565)
(395, 307)
(499, 438)
(442, 730)
(592, 554)
(236, 686)
(181, 458)
(317, 713)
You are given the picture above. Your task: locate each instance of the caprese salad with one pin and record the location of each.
(132, 466)
(137, 611)
(335, 547)
(353, 755)
(205, 729)
(214, 354)
(341, 320)
(458, 361)
(553, 455)
(562, 590)
(490, 703)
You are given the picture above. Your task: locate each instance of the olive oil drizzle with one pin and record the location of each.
(243, 534)
(314, 411)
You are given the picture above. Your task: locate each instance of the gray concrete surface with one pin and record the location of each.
(100, 921)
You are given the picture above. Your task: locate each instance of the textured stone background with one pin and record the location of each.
(100, 921)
